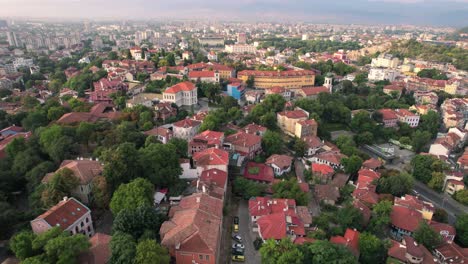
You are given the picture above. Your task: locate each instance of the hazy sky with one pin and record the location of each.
(421, 12)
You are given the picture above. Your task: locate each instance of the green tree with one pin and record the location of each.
(419, 140)
(21, 245)
(380, 217)
(427, 236)
(372, 249)
(123, 248)
(284, 252)
(462, 229)
(150, 252)
(160, 164)
(137, 221)
(440, 215)
(461, 196)
(323, 251)
(396, 185)
(100, 191)
(349, 217)
(290, 189)
(422, 167)
(65, 249)
(300, 147)
(121, 164)
(247, 188)
(138, 192)
(352, 164)
(61, 184)
(250, 81)
(55, 112)
(437, 181)
(272, 143)
(181, 146)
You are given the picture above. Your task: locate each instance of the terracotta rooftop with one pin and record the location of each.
(272, 226)
(243, 139)
(280, 161)
(99, 252)
(265, 173)
(214, 176)
(327, 192)
(186, 123)
(211, 156)
(183, 86)
(405, 218)
(294, 114)
(65, 213)
(349, 240)
(259, 206)
(84, 170)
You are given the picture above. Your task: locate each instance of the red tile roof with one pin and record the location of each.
(327, 192)
(413, 202)
(322, 169)
(272, 226)
(183, 86)
(309, 91)
(259, 206)
(201, 74)
(405, 218)
(349, 240)
(254, 129)
(243, 139)
(372, 164)
(65, 213)
(214, 176)
(312, 141)
(211, 156)
(265, 173)
(84, 170)
(195, 224)
(388, 114)
(280, 161)
(295, 114)
(365, 211)
(159, 131)
(453, 253)
(186, 123)
(211, 137)
(275, 73)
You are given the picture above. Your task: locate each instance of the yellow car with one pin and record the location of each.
(238, 258)
(236, 228)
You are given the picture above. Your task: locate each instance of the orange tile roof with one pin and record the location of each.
(183, 86)
(84, 170)
(211, 156)
(65, 213)
(349, 240)
(295, 114)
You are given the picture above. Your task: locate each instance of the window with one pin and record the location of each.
(207, 257)
(87, 219)
(82, 224)
(200, 257)
(89, 228)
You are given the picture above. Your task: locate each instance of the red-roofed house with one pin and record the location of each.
(204, 140)
(69, 214)
(372, 164)
(305, 128)
(408, 251)
(365, 211)
(186, 128)
(193, 232)
(213, 182)
(331, 158)
(322, 172)
(312, 92)
(427, 209)
(281, 164)
(161, 133)
(451, 253)
(408, 117)
(313, 144)
(104, 88)
(100, 111)
(204, 76)
(181, 94)
(85, 171)
(349, 240)
(327, 193)
(285, 93)
(446, 231)
(365, 187)
(404, 221)
(389, 118)
(211, 158)
(247, 145)
(259, 172)
(4, 141)
(255, 129)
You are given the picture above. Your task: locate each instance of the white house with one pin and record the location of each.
(181, 94)
(380, 74)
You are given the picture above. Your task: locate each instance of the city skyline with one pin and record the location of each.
(417, 12)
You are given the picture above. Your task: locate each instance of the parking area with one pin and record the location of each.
(252, 256)
(403, 156)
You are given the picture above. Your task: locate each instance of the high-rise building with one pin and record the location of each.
(241, 38)
(12, 39)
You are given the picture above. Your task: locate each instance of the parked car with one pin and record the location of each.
(238, 245)
(238, 258)
(237, 238)
(236, 224)
(238, 251)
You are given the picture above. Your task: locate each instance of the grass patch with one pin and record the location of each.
(254, 170)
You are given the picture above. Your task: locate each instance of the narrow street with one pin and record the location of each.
(252, 256)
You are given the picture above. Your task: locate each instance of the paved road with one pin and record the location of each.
(314, 207)
(245, 230)
(443, 201)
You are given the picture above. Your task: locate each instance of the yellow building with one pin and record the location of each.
(288, 79)
(451, 87)
(287, 120)
(454, 186)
